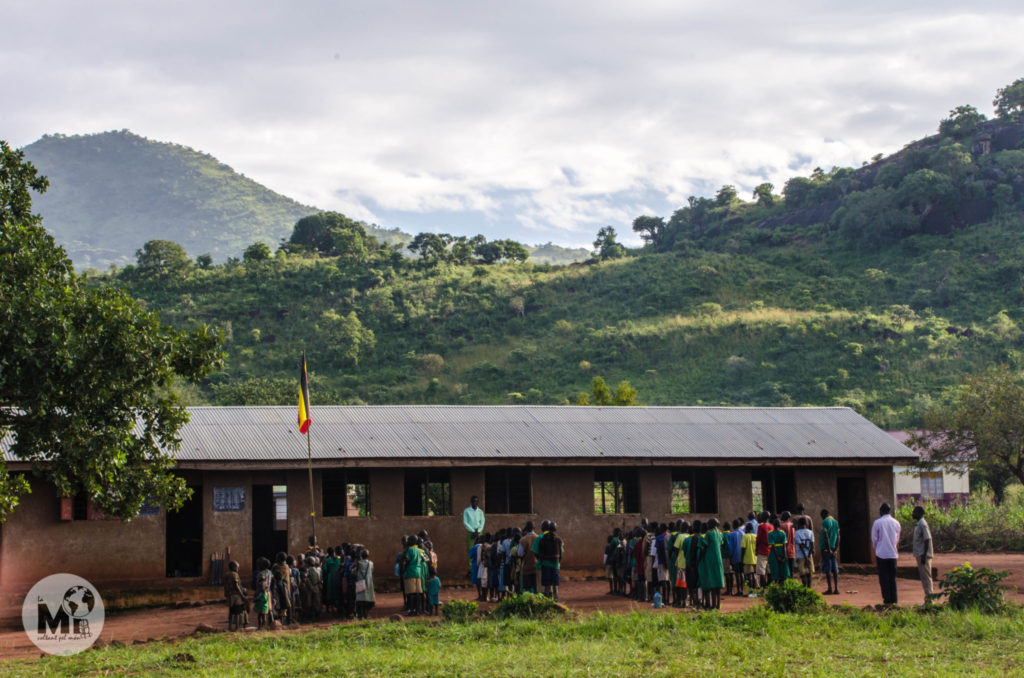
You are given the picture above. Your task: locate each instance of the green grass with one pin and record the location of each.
(751, 643)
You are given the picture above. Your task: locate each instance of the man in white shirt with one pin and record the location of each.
(473, 520)
(923, 551)
(885, 537)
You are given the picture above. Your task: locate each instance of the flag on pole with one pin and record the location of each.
(303, 398)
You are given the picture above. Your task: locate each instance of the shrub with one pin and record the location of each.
(527, 606)
(979, 525)
(792, 596)
(459, 611)
(968, 588)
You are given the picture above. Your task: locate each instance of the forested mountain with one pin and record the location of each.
(876, 287)
(111, 192)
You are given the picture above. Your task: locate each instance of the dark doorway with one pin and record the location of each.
(185, 537)
(269, 521)
(853, 516)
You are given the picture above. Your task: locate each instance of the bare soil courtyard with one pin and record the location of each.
(147, 625)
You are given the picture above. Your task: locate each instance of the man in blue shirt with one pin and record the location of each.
(473, 521)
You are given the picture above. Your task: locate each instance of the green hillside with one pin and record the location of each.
(876, 287)
(111, 192)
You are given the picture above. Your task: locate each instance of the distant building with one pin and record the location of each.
(943, 485)
(380, 472)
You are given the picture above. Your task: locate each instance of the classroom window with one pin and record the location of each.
(428, 492)
(280, 493)
(616, 491)
(681, 496)
(346, 492)
(931, 485)
(778, 489)
(507, 490)
(757, 495)
(694, 490)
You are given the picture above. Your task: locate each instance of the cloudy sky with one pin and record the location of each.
(534, 120)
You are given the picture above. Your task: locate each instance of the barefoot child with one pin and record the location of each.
(433, 592)
(804, 551)
(749, 548)
(830, 552)
(238, 615)
(262, 599)
(778, 561)
(712, 571)
(365, 599)
(550, 556)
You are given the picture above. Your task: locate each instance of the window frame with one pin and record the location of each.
(343, 478)
(933, 480)
(624, 490)
(507, 501)
(429, 476)
(703, 489)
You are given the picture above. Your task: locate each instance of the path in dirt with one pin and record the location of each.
(151, 625)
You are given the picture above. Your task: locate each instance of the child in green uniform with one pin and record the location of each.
(712, 574)
(778, 561)
(413, 574)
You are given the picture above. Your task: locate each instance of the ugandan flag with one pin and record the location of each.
(303, 398)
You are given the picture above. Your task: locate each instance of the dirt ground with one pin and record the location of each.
(139, 626)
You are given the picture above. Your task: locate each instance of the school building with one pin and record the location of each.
(944, 485)
(383, 471)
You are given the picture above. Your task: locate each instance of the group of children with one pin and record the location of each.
(507, 563)
(693, 564)
(687, 564)
(300, 589)
(416, 566)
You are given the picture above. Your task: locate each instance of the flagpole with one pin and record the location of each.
(312, 507)
(305, 416)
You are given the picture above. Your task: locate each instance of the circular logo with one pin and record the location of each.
(62, 614)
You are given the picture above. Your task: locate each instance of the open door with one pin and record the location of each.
(184, 534)
(854, 520)
(269, 521)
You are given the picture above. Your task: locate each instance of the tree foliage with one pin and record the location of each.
(605, 245)
(763, 194)
(962, 120)
(162, 259)
(651, 229)
(86, 375)
(1009, 101)
(330, 234)
(983, 427)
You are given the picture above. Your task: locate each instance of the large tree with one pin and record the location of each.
(651, 229)
(606, 247)
(1009, 101)
(983, 427)
(86, 375)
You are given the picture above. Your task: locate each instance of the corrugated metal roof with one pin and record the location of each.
(381, 432)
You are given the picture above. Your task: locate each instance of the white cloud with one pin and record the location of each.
(465, 108)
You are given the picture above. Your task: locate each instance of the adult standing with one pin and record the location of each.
(885, 536)
(473, 520)
(923, 552)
